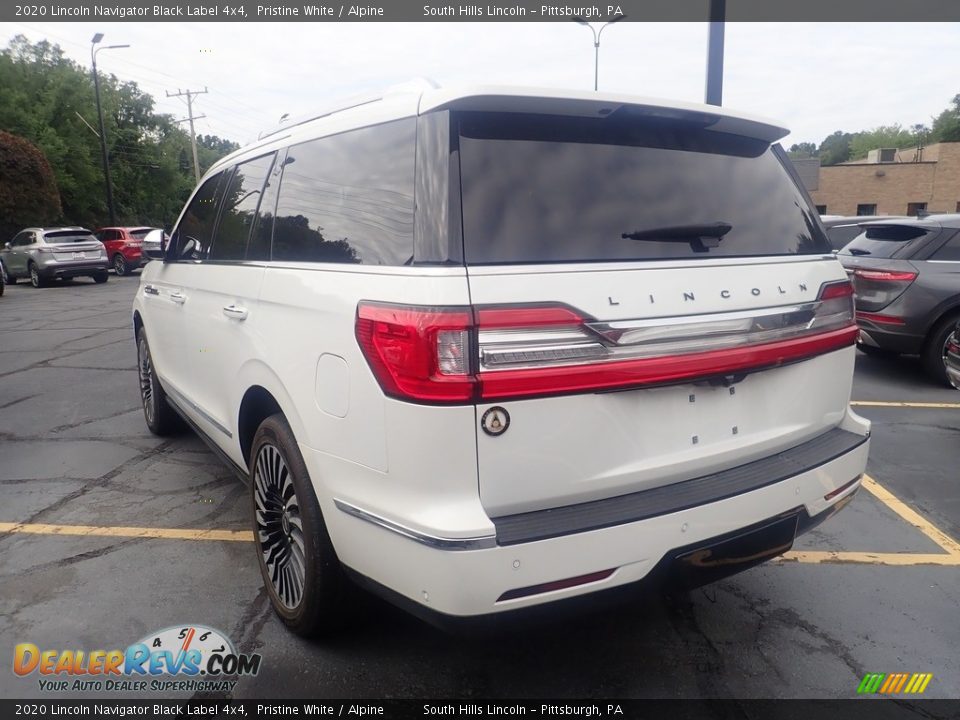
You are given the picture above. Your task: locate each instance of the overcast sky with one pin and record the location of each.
(813, 78)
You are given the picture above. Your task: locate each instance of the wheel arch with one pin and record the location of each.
(264, 396)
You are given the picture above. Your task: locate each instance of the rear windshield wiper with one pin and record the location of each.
(858, 251)
(701, 237)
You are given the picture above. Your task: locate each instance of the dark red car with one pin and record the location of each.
(124, 247)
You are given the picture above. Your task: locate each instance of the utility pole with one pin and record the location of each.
(191, 117)
(103, 133)
(714, 90)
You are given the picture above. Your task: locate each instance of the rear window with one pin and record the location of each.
(541, 189)
(140, 233)
(68, 236)
(883, 241)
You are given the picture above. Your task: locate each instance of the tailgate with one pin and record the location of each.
(730, 405)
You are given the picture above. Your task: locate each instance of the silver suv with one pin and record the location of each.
(43, 254)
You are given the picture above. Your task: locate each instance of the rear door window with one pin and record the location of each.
(884, 241)
(241, 201)
(542, 189)
(949, 251)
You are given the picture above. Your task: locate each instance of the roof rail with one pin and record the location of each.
(416, 85)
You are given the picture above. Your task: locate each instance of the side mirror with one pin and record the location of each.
(153, 245)
(7, 245)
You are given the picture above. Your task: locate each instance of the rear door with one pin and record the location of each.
(655, 301)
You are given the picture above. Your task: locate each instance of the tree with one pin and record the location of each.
(946, 125)
(835, 148)
(885, 136)
(28, 190)
(49, 100)
(799, 151)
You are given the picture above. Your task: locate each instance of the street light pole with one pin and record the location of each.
(596, 44)
(714, 90)
(103, 133)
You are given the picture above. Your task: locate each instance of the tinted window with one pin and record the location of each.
(258, 248)
(348, 198)
(624, 187)
(883, 241)
(241, 199)
(840, 235)
(68, 236)
(24, 238)
(198, 220)
(140, 233)
(949, 251)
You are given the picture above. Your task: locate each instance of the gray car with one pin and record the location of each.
(42, 254)
(906, 276)
(841, 229)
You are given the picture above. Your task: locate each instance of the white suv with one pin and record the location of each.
(486, 350)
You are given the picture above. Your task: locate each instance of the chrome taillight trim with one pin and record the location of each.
(599, 342)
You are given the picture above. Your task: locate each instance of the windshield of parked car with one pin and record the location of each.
(882, 241)
(68, 236)
(545, 188)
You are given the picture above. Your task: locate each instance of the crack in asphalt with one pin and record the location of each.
(70, 426)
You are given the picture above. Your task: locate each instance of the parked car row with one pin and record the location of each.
(44, 254)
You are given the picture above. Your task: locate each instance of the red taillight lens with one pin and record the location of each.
(487, 353)
(876, 289)
(419, 354)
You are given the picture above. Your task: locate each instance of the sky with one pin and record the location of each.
(813, 78)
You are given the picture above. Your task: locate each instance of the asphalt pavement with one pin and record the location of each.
(104, 539)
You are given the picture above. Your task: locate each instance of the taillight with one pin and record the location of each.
(486, 353)
(418, 353)
(876, 289)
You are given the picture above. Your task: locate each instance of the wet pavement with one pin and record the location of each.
(74, 451)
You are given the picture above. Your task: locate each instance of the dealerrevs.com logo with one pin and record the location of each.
(187, 658)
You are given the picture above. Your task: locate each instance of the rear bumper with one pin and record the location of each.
(896, 338)
(73, 269)
(478, 576)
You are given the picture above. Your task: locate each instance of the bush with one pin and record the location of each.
(28, 190)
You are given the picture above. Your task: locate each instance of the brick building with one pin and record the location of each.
(890, 182)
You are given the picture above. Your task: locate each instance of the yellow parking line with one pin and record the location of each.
(819, 557)
(127, 532)
(877, 403)
(912, 516)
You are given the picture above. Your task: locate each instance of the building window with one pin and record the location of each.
(958, 205)
(916, 208)
(867, 209)
(821, 209)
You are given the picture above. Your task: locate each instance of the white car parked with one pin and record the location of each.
(490, 349)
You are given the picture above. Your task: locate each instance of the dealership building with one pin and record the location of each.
(889, 181)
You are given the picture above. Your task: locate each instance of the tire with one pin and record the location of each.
(2, 285)
(10, 279)
(876, 351)
(934, 349)
(161, 418)
(100, 277)
(120, 265)
(35, 278)
(301, 572)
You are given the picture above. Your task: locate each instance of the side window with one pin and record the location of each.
(191, 239)
(22, 238)
(949, 251)
(258, 248)
(241, 199)
(348, 198)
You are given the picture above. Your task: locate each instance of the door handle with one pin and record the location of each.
(150, 290)
(178, 297)
(235, 311)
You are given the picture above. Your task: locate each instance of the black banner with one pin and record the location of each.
(859, 709)
(497, 11)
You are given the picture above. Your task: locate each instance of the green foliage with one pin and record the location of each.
(885, 136)
(946, 125)
(835, 148)
(28, 190)
(800, 151)
(49, 100)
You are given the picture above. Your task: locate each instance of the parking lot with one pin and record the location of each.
(108, 533)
